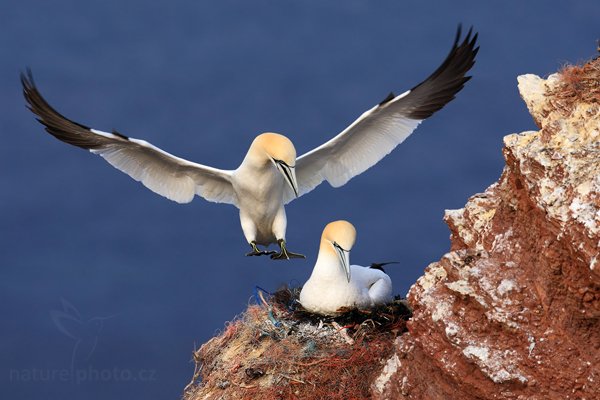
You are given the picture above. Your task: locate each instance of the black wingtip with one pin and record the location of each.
(458, 34)
(448, 79)
(380, 266)
(54, 122)
(114, 132)
(388, 98)
(27, 80)
(468, 37)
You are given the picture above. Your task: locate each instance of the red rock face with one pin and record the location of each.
(513, 311)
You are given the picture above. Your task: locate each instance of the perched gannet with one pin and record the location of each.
(334, 283)
(270, 175)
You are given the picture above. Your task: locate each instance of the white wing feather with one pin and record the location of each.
(360, 146)
(172, 177)
(163, 173)
(379, 130)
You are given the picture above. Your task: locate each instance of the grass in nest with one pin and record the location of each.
(276, 349)
(382, 318)
(578, 83)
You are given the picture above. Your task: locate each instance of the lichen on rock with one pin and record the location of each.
(513, 311)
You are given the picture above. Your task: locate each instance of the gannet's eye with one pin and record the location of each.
(282, 163)
(337, 246)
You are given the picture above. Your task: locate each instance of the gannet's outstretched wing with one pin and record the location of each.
(172, 177)
(379, 130)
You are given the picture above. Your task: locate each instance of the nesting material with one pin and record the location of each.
(275, 349)
(576, 84)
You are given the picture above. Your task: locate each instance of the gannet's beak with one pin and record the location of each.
(344, 256)
(289, 173)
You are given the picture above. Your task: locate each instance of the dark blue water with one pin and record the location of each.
(105, 287)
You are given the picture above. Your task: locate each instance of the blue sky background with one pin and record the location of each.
(80, 241)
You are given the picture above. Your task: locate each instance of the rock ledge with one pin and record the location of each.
(513, 311)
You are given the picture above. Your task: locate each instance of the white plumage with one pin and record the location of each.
(163, 173)
(270, 176)
(335, 284)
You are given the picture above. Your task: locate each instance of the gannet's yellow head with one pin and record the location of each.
(281, 152)
(341, 232)
(277, 147)
(339, 237)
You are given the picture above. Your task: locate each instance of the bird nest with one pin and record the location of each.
(577, 84)
(278, 350)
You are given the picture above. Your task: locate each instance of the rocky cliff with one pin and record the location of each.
(511, 312)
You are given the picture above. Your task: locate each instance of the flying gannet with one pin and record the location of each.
(335, 284)
(270, 175)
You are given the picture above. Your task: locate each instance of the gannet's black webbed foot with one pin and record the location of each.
(285, 254)
(257, 252)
